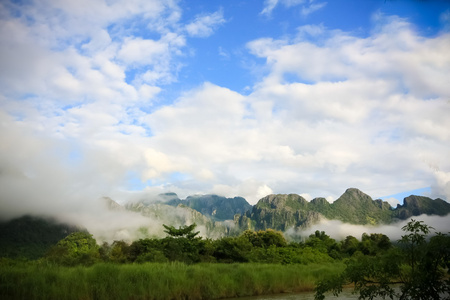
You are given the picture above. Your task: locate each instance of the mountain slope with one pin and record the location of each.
(282, 212)
(357, 207)
(279, 212)
(31, 237)
(417, 205)
(216, 207)
(179, 215)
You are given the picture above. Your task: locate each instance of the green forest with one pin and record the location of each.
(184, 265)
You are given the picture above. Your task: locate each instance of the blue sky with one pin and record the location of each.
(129, 99)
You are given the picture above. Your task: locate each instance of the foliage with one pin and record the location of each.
(265, 238)
(349, 246)
(183, 231)
(374, 243)
(232, 249)
(321, 241)
(76, 248)
(418, 266)
(183, 244)
(372, 264)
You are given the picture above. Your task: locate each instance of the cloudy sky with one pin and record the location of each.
(240, 98)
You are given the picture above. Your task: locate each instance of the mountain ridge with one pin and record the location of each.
(276, 211)
(282, 211)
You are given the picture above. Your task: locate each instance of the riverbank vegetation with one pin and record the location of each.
(185, 266)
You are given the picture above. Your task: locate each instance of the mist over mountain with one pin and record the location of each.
(353, 213)
(214, 206)
(282, 212)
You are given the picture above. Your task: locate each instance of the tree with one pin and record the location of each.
(182, 244)
(232, 249)
(426, 260)
(182, 231)
(119, 252)
(76, 248)
(418, 266)
(350, 245)
(374, 243)
(146, 250)
(323, 242)
(265, 238)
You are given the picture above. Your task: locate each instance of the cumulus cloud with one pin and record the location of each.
(365, 112)
(80, 113)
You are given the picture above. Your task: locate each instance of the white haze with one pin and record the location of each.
(339, 230)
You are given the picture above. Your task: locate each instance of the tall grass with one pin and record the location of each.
(157, 280)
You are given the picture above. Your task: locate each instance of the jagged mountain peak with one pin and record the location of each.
(416, 205)
(354, 194)
(214, 206)
(283, 201)
(319, 201)
(111, 204)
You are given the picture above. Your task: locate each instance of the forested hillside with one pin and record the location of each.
(31, 237)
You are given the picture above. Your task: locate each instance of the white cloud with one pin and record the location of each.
(441, 188)
(250, 189)
(204, 25)
(307, 10)
(306, 196)
(357, 82)
(311, 30)
(269, 5)
(392, 201)
(345, 111)
(140, 51)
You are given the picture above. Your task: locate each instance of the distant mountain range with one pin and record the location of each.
(284, 211)
(216, 207)
(281, 212)
(218, 216)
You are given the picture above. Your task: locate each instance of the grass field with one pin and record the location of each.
(34, 280)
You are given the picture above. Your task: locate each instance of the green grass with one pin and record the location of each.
(157, 280)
